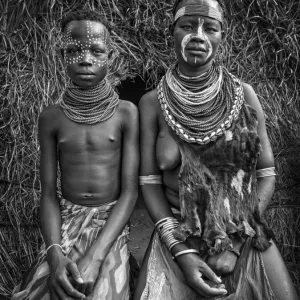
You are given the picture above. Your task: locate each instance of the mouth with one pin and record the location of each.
(196, 50)
(85, 73)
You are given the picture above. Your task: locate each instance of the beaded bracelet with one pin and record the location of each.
(54, 245)
(186, 252)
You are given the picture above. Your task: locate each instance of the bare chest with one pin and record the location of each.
(167, 151)
(74, 137)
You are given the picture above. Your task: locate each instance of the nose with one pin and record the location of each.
(86, 59)
(197, 38)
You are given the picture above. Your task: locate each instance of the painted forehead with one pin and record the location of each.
(85, 32)
(206, 8)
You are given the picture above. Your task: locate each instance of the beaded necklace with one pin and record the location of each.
(182, 101)
(90, 105)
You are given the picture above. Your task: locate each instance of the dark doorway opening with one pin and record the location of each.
(132, 89)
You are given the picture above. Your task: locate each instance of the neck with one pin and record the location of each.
(193, 71)
(86, 88)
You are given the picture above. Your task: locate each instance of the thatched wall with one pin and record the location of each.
(261, 47)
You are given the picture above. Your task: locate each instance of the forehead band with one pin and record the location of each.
(201, 10)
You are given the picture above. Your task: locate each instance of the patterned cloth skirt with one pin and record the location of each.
(165, 281)
(81, 225)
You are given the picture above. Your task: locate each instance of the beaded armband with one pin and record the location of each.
(150, 179)
(265, 172)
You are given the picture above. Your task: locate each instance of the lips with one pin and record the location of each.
(85, 73)
(194, 49)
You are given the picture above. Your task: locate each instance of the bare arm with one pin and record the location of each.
(50, 215)
(129, 187)
(266, 185)
(49, 205)
(158, 207)
(155, 200)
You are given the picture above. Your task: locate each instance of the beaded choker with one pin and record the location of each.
(182, 101)
(91, 105)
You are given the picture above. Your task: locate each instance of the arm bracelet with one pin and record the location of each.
(186, 252)
(150, 179)
(266, 172)
(54, 245)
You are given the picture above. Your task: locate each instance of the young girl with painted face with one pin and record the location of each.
(207, 175)
(94, 137)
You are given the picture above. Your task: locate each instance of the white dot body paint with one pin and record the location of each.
(199, 35)
(95, 34)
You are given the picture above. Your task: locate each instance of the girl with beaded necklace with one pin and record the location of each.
(94, 137)
(207, 175)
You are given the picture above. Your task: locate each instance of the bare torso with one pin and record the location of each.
(90, 159)
(168, 156)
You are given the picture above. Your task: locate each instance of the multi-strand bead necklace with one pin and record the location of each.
(199, 109)
(89, 105)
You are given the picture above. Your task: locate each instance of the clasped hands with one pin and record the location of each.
(70, 280)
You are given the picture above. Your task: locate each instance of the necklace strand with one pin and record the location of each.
(91, 105)
(182, 100)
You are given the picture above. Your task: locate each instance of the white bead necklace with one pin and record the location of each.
(182, 114)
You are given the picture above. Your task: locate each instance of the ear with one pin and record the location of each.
(224, 30)
(112, 52)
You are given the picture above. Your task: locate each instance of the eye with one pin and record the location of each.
(72, 51)
(211, 30)
(98, 51)
(187, 27)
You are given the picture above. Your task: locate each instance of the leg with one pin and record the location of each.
(278, 275)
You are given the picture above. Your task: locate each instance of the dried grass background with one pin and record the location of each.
(261, 47)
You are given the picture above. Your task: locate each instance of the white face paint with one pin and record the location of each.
(90, 45)
(199, 35)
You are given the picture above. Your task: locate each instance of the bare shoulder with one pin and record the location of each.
(50, 111)
(127, 109)
(49, 116)
(149, 103)
(251, 98)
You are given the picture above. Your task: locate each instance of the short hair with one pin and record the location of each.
(86, 14)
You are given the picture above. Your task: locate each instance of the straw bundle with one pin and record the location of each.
(261, 47)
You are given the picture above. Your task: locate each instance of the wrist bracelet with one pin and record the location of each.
(54, 245)
(165, 228)
(186, 252)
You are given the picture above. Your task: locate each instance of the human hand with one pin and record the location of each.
(194, 269)
(89, 271)
(60, 287)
